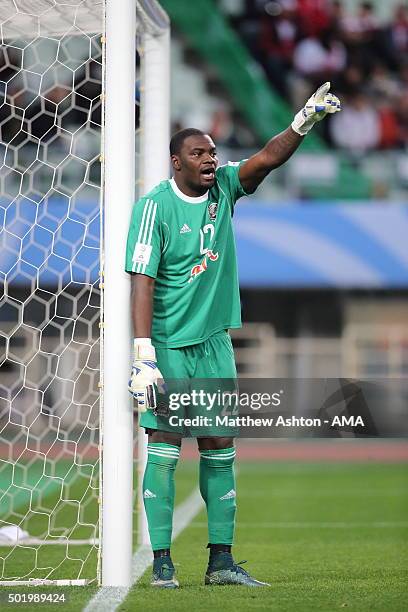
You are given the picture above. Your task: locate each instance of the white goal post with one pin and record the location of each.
(84, 131)
(119, 163)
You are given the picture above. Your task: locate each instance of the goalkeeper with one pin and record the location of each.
(185, 297)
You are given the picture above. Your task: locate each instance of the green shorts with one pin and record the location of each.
(191, 368)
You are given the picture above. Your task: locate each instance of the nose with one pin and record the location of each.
(209, 159)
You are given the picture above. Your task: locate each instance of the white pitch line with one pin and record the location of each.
(311, 524)
(108, 599)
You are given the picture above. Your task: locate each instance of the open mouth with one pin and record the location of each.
(208, 173)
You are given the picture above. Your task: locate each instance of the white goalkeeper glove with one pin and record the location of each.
(145, 375)
(315, 109)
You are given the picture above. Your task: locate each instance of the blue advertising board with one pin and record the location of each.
(55, 242)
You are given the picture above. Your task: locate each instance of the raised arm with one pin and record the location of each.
(278, 150)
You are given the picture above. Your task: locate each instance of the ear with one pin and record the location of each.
(175, 162)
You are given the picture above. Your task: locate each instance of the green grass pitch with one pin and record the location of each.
(326, 536)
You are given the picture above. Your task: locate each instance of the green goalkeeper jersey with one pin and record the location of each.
(187, 244)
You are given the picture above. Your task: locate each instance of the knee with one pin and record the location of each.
(164, 437)
(163, 449)
(220, 459)
(215, 443)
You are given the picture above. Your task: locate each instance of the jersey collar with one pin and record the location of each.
(185, 197)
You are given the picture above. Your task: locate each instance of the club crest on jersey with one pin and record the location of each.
(212, 210)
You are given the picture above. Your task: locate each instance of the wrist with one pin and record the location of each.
(301, 125)
(143, 349)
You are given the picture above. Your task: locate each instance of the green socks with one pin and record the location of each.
(158, 492)
(217, 486)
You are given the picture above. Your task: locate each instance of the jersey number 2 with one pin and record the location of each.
(209, 228)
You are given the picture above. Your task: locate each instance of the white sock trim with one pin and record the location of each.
(167, 455)
(219, 457)
(175, 449)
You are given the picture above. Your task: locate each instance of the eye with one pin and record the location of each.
(214, 153)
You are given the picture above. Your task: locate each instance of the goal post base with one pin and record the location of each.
(39, 582)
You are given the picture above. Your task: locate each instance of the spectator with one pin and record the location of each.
(222, 127)
(349, 80)
(385, 90)
(336, 14)
(402, 119)
(302, 43)
(279, 33)
(357, 128)
(403, 76)
(314, 16)
(389, 136)
(363, 36)
(361, 27)
(321, 57)
(383, 86)
(399, 32)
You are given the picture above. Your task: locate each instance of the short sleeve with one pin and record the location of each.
(228, 180)
(143, 248)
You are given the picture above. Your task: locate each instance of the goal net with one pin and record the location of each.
(54, 72)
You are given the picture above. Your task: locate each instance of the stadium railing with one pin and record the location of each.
(363, 351)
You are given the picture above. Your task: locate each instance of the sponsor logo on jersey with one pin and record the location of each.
(212, 210)
(202, 267)
(185, 229)
(212, 256)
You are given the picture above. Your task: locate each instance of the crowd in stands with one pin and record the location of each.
(301, 43)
